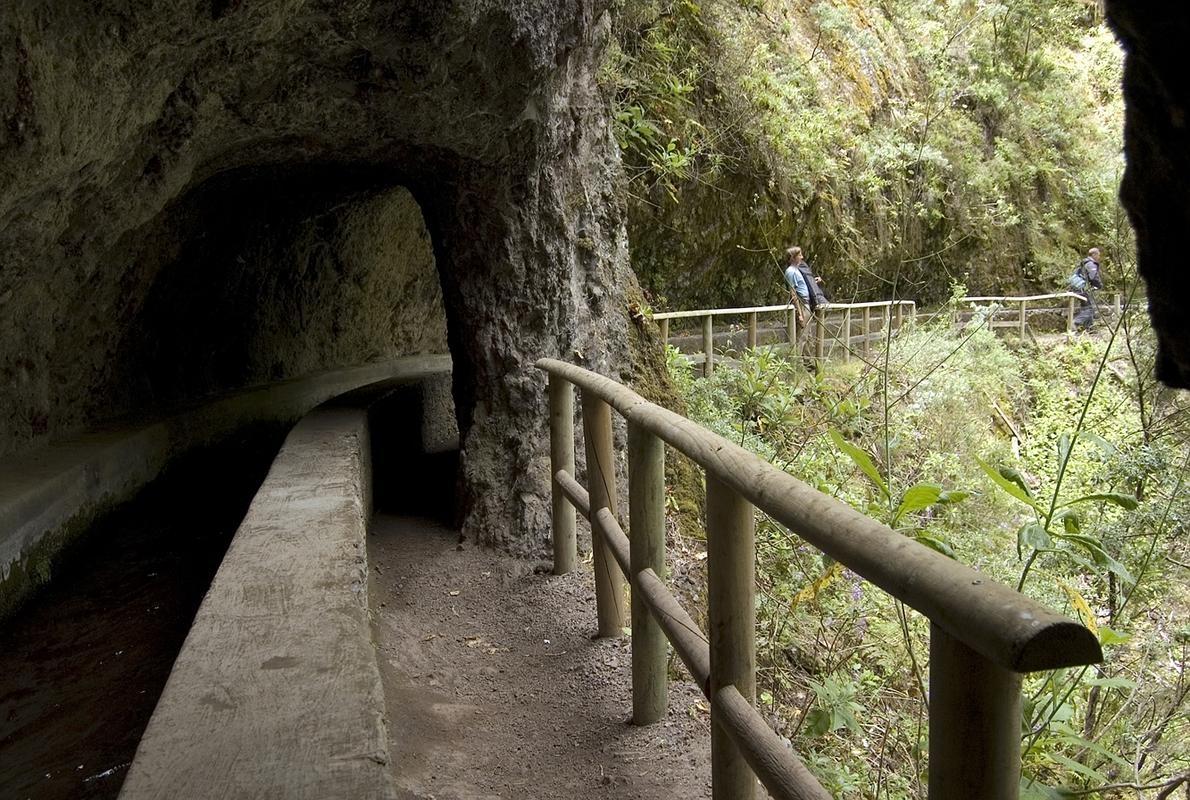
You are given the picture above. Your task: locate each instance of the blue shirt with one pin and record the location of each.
(793, 276)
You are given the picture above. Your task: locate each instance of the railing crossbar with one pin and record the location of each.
(983, 635)
(778, 768)
(1010, 629)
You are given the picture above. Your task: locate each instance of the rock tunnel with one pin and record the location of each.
(206, 196)
(201, 197)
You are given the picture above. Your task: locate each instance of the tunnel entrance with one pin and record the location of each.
(415, 452)
(262, 275)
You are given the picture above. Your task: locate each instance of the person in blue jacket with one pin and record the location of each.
(798, 290)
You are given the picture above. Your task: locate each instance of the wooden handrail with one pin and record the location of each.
(891, 310)
(1027, 298)
(982, 632)
(1005, 626)
(725, 312)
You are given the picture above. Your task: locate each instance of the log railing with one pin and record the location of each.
(995, 318)
(888, 312)
(983, 635)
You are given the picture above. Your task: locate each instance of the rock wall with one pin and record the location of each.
(1156, 184)
(199, 195)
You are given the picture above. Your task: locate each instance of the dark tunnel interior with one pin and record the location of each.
(261, 275)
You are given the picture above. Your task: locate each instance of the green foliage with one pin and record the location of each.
(901, 143)
(1068, 461)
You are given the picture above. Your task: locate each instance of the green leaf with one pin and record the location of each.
(1016, 488)
(917, 497)
(1032, 536)
(1014, 475)
(935, 543)
(1065, 443)
(1035, 790)
(818, 722)
(1125, 501)
(954, 496)
(1070, 521)
(1068, 735)
(1104, 445)
(1109, 637)
(1120, 570)
(1111, 683)
(1089, 543)
(861, 459)
(1080, 769)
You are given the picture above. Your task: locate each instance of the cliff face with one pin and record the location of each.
(203, 195)
(1156, 185)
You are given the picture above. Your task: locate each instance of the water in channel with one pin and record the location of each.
(83, 662)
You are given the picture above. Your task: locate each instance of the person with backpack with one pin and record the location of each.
(805, 289)
(817, 297)
(799, 293)
(1085, 281)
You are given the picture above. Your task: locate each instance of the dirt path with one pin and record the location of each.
(494, 689)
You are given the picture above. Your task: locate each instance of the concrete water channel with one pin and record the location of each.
(84, 659)
(83, 663)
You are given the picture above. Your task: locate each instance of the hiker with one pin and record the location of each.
(798, 291)
(1085, 281)
(804, 290)
(813, 282)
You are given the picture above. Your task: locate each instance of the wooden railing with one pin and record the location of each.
(1020, 322)
(983, 635)
(888, 312)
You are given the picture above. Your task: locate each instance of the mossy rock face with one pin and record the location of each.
(36, 566)
(649, 379)
(196, 197)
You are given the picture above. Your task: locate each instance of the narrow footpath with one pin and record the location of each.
(495, 690)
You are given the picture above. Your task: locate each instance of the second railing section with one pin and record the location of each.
(984, 636)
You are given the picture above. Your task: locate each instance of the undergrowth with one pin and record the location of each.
(1056, 467)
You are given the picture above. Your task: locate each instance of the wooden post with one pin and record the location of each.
(601, 488)
(664, 330)
(646, 509)
(846, 335)
(900, 314)
(791, 326)
(562, 458)
(731, 588)
(1024, 317)
(913, 312)
(1070, 315)
(886, 320)
(867, 330)
(819, 336)
(752, 331)
(708, 345)
(1117, 302)
(975, 724)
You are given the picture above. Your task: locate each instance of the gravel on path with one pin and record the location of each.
(495, 689)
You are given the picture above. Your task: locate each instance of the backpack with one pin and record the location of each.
(1086, 274)
(815, 291)
(1076, 282)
